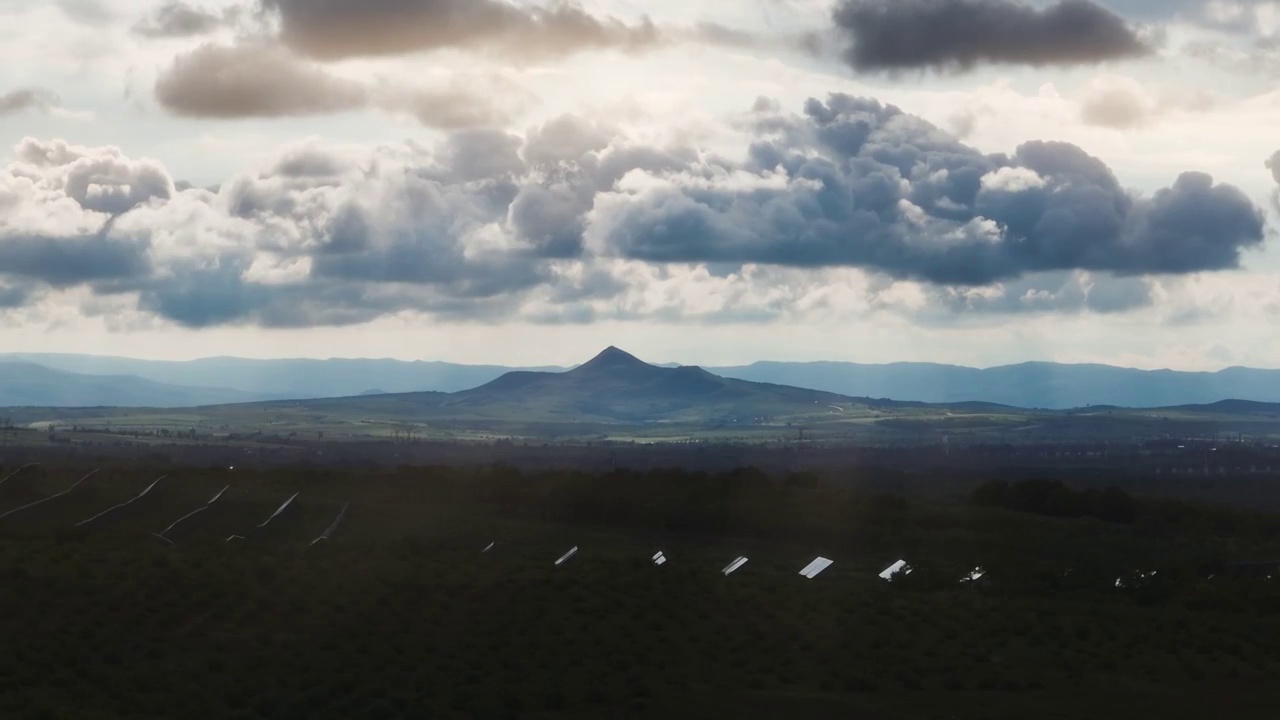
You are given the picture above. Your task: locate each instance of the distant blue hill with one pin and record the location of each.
(284, 378)
(27, 384)
(1031, 385)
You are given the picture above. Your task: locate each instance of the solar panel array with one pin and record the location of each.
(896, 571)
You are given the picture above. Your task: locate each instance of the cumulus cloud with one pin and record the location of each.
(464, 101)
(574, 221)
(178, 20)
(59, 204)
(16, 101)
(1237, 16)
(891, 35)
(1273, 164)
(856, 183)
(321, 236)
(1120, 103)
(14, 296)
(253, 80)
(87, 12)
(258, 79)
(1052, 292)
(334, 29)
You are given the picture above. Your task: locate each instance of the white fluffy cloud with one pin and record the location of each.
(487, 227)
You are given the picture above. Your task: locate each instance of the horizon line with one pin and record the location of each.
(21, 354)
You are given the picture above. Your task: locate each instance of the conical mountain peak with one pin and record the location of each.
(611, 358)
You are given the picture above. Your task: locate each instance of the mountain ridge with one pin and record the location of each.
(25, 384)
(1031, 384)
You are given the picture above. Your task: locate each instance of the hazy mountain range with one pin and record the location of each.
(63, 380)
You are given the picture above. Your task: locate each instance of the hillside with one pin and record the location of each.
(616, 395)
(1030, 385)
(613, 388)
(282, 378)
(618, 387)
(27, 384)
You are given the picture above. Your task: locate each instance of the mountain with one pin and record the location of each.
(27, 384)
(1029, 385)
(283, 378)
(615, 387)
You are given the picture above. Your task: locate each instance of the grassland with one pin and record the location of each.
(400, 615)
(363, 419)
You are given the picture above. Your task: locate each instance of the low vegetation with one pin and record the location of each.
(400, 615)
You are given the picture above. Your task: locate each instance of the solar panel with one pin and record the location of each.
(731, 567)
(197, 511)
(572, 551)
(334, 526)
(278, 510)
(818, 565)
(892, 571)
(74, 485)
(139, 496)
(659, 558)
(15, 473)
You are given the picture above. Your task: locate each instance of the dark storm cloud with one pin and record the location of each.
(178, 20)
(72, 260)
(14, 296)
(892, 35)
(255, 80)
(333, 29)
(16, 101)
(867, 185)
(202, 297)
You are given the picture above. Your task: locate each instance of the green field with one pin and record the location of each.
(400, 615)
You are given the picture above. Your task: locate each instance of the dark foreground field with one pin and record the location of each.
(400, 615)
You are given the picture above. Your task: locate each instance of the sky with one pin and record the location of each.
(977, 182)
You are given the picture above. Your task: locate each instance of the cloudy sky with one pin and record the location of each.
(703, 181)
